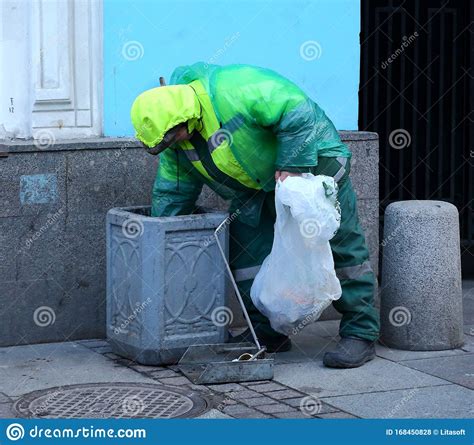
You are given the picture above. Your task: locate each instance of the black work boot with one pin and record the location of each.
(273, 343)
(350, 352)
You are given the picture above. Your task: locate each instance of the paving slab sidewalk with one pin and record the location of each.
(395, 384)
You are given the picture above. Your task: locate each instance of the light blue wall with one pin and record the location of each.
(145, 39)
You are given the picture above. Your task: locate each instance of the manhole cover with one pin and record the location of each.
(114, 400)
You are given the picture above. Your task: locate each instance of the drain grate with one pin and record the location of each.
(111, 400)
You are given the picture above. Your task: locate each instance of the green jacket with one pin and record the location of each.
(247, 122)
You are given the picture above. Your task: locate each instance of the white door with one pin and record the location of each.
(51, 59)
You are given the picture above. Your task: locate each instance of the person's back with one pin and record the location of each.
(266, 104)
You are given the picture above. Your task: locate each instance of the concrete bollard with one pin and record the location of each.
(421, 296)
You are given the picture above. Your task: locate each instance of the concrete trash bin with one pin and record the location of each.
(421, 295)
(166, 284)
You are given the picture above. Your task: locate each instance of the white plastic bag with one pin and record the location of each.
(297, 281)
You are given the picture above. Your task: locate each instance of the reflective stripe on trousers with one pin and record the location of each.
(343, 273)
(246, 273)
(353, 272)
(342, 170)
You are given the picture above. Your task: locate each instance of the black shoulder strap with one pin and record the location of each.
(200, 145)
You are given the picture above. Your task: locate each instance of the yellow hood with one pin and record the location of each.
(156, 111)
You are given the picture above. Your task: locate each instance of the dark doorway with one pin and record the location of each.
(416, 92)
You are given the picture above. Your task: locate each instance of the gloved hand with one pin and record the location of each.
(282, 175)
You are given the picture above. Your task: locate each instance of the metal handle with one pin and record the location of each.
(239, 297)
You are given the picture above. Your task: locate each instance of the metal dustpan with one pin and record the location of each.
(227, 362)
(219, 363)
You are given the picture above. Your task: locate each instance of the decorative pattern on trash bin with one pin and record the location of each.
(125, 289)
(189, 260)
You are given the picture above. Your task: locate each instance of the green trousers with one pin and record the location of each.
(250, 245)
